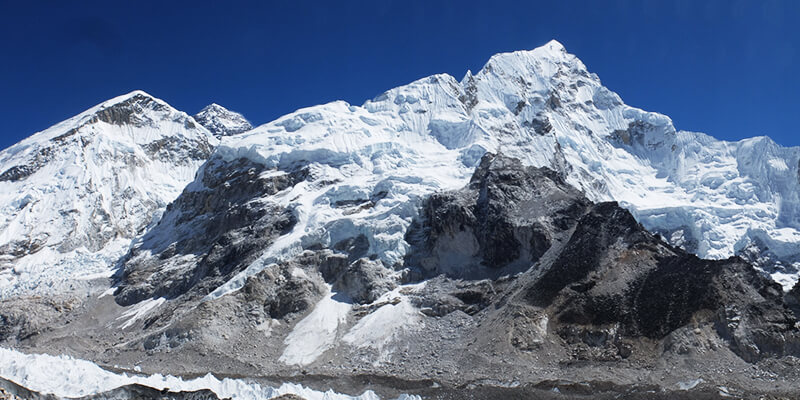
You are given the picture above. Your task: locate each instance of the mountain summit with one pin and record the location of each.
(221, 121)
(74, 196)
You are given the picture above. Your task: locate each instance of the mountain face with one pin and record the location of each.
(523, 221)
(221, 121)
(712, 198)
(593, 274)
(217, 225)
(75, 195)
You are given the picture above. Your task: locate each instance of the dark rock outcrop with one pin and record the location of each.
(215, 228)
(601, 279)
(793, 299)
(503, 222)
(612, 272)
(221, 121)
(28, 317)
(362, 280)
(287, 288)
(36, 161)
(288, 397)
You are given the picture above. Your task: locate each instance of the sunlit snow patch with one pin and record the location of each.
(318, 331)
(139, 310)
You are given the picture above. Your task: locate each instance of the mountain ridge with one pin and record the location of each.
(539, 78)
(524, 213)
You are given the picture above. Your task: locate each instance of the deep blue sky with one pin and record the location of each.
(728, 68)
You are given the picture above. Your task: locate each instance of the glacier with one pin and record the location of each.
(123, 187)
(65, 376)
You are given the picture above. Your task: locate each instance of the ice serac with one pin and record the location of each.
(222, 122)
(73, 196)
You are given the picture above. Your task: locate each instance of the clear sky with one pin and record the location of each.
(728, 68)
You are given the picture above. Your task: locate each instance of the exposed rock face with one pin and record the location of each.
(131, 392)
(287, 288)
(33, 164)
(576, 283)
(518, 247)
(24, 318)
(221, 121)
(793, 299)
(212, 231)
(503, 222)
(133, 111)
(592, 271)
(12, 391)
(289, 397)
(614, 273)
(442, 296)
(363, 280)
(518, 267)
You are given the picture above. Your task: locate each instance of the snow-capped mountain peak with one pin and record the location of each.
(221, 121)
(75, 194)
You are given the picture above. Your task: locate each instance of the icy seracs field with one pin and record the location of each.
(712, 197)
(76, 214)
(65, 376)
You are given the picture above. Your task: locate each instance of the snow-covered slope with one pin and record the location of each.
(73, 196)
(542, 106)
(222, 122)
